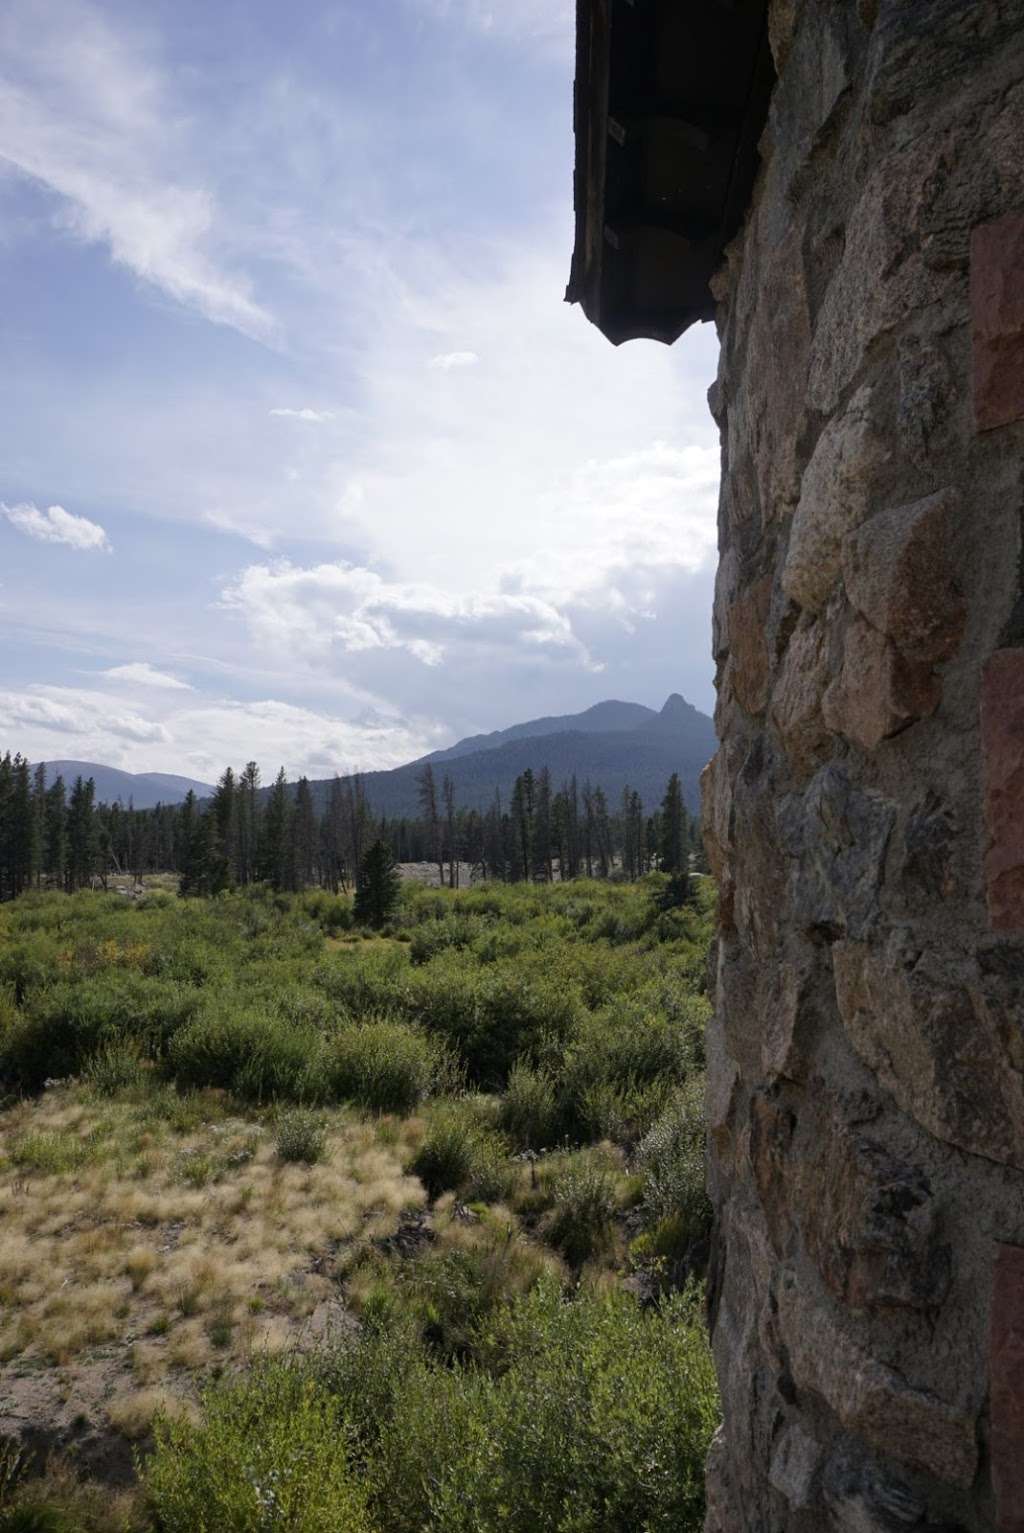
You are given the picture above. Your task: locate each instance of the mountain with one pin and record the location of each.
(612, 745)
(144, 789)
(602, 718)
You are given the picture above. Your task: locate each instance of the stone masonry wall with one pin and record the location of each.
(865, 812)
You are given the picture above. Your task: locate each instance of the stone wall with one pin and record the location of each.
(865, 812)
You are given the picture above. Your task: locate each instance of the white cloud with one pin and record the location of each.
(447, 361)
(67, 711)
(647, 511)
(342, 609)
(55, 525)
(199, 736)
(141, 674)
(317, 417)
(87, 114)
(213, 734)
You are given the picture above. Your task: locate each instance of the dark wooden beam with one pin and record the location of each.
(670, 101)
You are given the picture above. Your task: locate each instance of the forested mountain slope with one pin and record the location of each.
(644, 756)
(143, 789)
(602, 718)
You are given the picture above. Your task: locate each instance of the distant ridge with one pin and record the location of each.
(143, 789)
(602, 718)
(611, 745)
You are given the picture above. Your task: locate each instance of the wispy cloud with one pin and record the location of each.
(55, 525)
(199, 735)
(86, 113)
(141, 674)
(67, 711)
(315, 417)
(446, 361)
(540, 21)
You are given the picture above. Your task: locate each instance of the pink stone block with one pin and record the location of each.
(1006, 1383)
(1002, 743)
(997, 320)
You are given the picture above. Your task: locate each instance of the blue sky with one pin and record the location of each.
(302, 455)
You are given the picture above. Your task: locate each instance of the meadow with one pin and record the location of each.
(312, 1228)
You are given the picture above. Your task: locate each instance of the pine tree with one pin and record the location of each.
(673, 848)
(6, 795)
(332, 838)
(248, 823)
(494, 853)
(21, 837)
(275, 841)
(304, 836)
(542, 869)
(426, 788)
(523, 812)
(55, 841)
(223, 872)
(602, 834)
(38, 819)
(448, 790)
(378, 886)
(588, 848)
(197, 851)
(83, 849)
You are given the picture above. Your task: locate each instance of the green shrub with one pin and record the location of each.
(61, 1024)
(457, 930)
(529, 1107)
(269, 1453)
(457, 1292)
(618, 1110)
(52, 1152)
(301, 1137)
(256, 1055)
(366, 982)
(459, 1155)
(581, 1223)
(117, 1066)
(671, 1160)
(591, 1415)
(331, 912)
(384, 1066)
(32, 1516)
(665, 1248)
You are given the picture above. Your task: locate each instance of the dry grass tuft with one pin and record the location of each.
(134, 1412)
(174, 1231)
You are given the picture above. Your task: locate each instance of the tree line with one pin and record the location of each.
(57, 836)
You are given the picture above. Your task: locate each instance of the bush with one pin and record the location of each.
(62, 1024)
(253, 1054)
(580, 1224)
(331, 912)
(529, 1108)
(53, 1152)
(34, 1519)
(671, 1160)
(384, 1066)
(459, 1155)
(301, 1137)
(458, 1289)
(591, 1415)
(269, 1453)
(116, 1067)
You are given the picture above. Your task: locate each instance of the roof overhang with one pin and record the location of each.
(670, 100)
